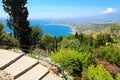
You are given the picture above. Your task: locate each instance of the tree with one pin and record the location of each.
(100, 40)
(18, 20)
(55, 44)
(72, 44)
(90, 41)
(1, 31)
(47, 42)
(76, 35)
(36, 35)
(108, 38)
(1, 26)
(80, 38)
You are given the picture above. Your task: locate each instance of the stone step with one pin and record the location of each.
(36, 73)
(22, 65)
(7, 58)
(52, 76)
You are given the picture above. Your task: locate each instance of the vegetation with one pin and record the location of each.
(110, 54)
(96, 73)
(36, 35)
(72, 61)
(47, 42)
(18, 20)
(118, 76)
(84, 50)
(78, 54)
(72, 44)
(1, 31)
(7, 38)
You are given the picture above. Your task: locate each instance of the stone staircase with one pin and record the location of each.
(7, 58)
(22, 67)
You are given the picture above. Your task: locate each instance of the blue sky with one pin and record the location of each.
(68, 8)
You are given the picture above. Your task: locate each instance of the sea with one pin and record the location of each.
(46, 26)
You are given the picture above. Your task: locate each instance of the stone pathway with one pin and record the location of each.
(22, 67)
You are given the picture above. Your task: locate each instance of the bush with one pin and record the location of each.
(118, 76)
(96, 73)
(72, 61)
(111, 54)
(6, 38)
(10, 40)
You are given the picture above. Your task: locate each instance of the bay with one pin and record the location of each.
(47, 27)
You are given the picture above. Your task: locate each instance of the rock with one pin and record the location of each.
(5, 76)
(55, 70)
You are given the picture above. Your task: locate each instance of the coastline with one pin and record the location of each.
(72, 27)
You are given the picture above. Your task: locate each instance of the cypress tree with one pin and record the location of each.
(17, 21)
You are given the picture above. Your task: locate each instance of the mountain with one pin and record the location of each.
(109, 17)
(101, 18)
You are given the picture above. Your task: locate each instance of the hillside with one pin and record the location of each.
(114, 30)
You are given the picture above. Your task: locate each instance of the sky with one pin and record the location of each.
(68, 8)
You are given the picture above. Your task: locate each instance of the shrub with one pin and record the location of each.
(96, 73)
(10, 40)
(72, 61)
(118, 76)
(6, 38)
(111, 54)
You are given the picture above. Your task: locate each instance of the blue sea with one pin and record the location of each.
(56, 30)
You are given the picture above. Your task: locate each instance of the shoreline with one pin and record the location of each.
(71, 27)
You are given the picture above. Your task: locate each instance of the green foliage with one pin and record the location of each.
(9, 40)
(118, 76)
(36, 35)
(34, 54)
(115, 28)
(96, 73)
(69, 44)
(6, 38)
(72, 61)
(115, 31)
(47, 42)
(102, 39)
(1, 31)
(18, 22)
(93, 27)
(85, 39)
(1, 26)
(111, 54)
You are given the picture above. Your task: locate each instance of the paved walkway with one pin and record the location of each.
(22, 67)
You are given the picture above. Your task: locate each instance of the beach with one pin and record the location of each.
(73, 29)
